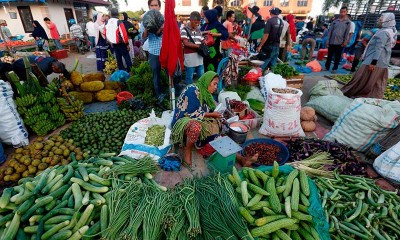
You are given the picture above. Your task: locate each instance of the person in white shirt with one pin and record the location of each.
(286, 40)
(91, 31)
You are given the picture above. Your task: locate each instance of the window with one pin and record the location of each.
(235, 3)
(267, 2)
(284, 3)
(302, 3)
(187, 3)
(26, 18)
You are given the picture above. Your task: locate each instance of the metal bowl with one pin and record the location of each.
(256, 63)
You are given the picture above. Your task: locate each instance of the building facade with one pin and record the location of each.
(185, 7)
(300, 8)
(21, 14)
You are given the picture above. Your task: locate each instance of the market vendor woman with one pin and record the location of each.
(194, 121)
(47, 65)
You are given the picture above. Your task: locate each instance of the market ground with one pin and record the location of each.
(87, 64)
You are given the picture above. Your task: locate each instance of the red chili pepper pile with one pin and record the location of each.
(267, 153)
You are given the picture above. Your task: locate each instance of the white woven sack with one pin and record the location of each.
(269, 81)
(12, 129)
(282, 114)
(388, 163)
(364, 122)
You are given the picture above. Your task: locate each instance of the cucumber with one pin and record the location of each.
(48, 186)
(62, 190)
(12, 230)
(34, 219)
(84, 218)
(58, 219)
(55, 229)
(99, 180)
(93, 230)
(5, 197)
(20, 191)
(56, 186)
(79, 233)
(30, 186)
(83, 172)
(26, 205)
(51, 205)
(42, 181)
(67, 194)
(6, 219)
(98, 196)
(104, 218)
(85, 199)
(62, 235)
(37, 205)
(76, 191)
(21, 235)
(59, 211)
(88, 186)
(69, 174)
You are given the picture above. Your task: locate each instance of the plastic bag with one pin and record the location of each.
(120, 76)
(12, 129)
(315, 66)
(253, 74)
(269, 81)
(153, 20)
(301, 69)
(134, 145)
(388, 163)
(282, 114)
(227, 94)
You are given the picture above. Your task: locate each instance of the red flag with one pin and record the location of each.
(171, 48)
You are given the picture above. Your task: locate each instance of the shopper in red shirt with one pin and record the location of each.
(55, 35)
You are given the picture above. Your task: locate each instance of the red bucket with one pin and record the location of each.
(123, 96)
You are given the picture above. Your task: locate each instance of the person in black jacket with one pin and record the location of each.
(131, 30)
(40, 36)
(47, 65)
(256, 26)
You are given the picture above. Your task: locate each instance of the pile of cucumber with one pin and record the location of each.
(63, 202)
(273, 204)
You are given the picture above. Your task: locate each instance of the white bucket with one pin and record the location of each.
(393, 71)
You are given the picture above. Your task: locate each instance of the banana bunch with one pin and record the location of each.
(22, 110)
(46, 96)
(52, 87)
(43, 127)
(26, 101)
(31, 120)
(57, 117)
(34, 111)
(54, 109)
(73, 111)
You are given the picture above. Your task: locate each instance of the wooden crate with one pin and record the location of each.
(295, 81)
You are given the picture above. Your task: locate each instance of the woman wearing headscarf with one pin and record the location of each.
(132, 32)
(219, 32)
(258, 25)
(101, 43)
(292, 26)
(40, 36)
(194, 121)
(370, 80)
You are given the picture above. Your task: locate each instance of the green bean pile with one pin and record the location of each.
(155, 135)
(358, 209)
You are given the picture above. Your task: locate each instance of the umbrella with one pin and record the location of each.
(171, 55)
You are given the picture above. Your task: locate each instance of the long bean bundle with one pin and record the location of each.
(187, 195)
(157, 204)
(122, 197)
(178, 131)
(143, 165)
(217, 205)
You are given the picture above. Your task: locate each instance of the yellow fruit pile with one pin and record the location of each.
(392, 91)
(88, 87)
(111, 66)
(39, 155)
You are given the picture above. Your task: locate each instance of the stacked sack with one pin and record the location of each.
(12, 129)
(92, 86)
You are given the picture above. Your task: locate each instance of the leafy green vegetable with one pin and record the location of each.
(285, 70)
(241, 90)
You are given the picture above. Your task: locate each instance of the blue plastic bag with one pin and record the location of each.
(120, 76)
(301, 69)
(2, 155)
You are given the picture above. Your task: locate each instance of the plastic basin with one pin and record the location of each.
(283, 156)
(122, 96)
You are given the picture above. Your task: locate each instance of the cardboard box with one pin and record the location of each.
(295, 81)
(59, 54)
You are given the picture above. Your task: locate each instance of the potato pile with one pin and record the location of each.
(308, 119)
(39, 155)
(92, 86)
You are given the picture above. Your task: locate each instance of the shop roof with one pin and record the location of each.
(96, 2)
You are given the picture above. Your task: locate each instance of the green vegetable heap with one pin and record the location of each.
(155, 136)
(103, 132)
(285, 70)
